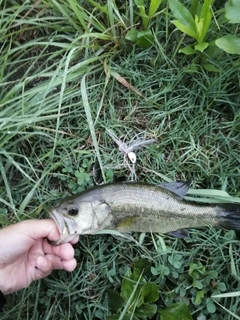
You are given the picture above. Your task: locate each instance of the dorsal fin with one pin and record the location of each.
(180, 188)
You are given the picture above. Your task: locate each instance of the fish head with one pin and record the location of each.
(78, 216)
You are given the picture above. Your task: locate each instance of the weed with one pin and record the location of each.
(230, 43)
(68, 72)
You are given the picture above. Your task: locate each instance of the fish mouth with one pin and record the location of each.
(67, 228)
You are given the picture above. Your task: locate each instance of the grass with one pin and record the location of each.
(60, 62)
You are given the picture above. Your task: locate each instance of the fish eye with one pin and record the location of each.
(73, 211)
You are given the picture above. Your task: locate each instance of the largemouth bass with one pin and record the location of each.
(127, 207)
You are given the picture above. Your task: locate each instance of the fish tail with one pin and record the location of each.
(230, 217)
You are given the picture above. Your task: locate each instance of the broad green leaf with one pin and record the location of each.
(195, 8)
(221, 286)
(145, 39)
(132, 35)
(199, 27)
(139, 3)
(160, 270)
(192, 68)
(115, 301)
(130, 281)
(182, 14)
(127, 285)
(178, 311)
(229, 44)
(206, 16)
(141, 7)
(201, 46)
(149, 292)
(136, 274)
(210, 67)
(187, 50)
(183, 28)
(141, 264)
(210, 305)
(154, 5)
(213, 51)
(145, 311)
(144, 266)
(142, 11)
(195, 269)
(197, 284)
(116, 317)
(199, 297)
(232, 8)
(175, 260)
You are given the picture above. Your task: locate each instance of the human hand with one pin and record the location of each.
(26, 255)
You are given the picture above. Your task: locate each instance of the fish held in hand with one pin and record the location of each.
(128, 207)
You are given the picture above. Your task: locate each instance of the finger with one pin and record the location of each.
(58, 263)
(44, 265)
(65, 251)
(69, 265)
(36, 229)
(75, 240)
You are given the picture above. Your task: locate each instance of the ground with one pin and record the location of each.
(68, 72)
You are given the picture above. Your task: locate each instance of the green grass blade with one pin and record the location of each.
(228, 311)
(129, 301)
(77, 9)
(226, 295)
(64, 77)
(91, 123)
(8, 189)
(110, 4)
(68, 16)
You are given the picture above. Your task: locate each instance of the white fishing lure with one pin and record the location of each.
(128, 148)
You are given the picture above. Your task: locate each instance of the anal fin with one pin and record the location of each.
(180, 234)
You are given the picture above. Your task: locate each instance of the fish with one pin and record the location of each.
(138, 207)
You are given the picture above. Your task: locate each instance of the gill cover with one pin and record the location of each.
(92, 216)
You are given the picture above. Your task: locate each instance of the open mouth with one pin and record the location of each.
(58, 220)
(67, 227)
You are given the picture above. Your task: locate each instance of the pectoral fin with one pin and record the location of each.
(123, 236)
(180, 234)
(180, 188)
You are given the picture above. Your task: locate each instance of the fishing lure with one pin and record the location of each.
(128, 150)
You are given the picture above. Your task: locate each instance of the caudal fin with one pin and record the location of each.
(230, 218)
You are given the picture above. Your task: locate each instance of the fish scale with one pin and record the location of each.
(127, 207)
(155, 211)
